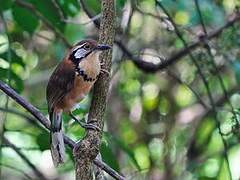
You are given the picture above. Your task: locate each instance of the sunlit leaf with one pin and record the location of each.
(69, 8)
(108, 156)
(122, 145)
(16, 81)
(43, 140)
(14, 58)
(24, 18)
(49, 11)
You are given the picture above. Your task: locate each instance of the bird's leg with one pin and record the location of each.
(88, 125)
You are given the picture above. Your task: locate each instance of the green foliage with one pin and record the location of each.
(16, 81)
(25, 19)
(48, 10)
(236, 68)
(69, 8)
(5, 4)
(155, 123)
(119, 143)
(108, 156)
(43, 141)
(15, 59)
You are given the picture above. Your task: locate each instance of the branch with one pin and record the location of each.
(63, 19)
(151, 67)
(45, 122)
(208, 49)
(38, 174)
(31, 8)
(30, 119)
(16, 169)
(218, 73)
(85, 9)
(87, 150)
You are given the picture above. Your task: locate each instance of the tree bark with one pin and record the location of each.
(88, 147)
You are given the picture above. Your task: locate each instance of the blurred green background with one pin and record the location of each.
(155, 125)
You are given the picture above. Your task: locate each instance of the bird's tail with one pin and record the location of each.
(57, 143)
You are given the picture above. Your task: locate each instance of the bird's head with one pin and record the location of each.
(84, 48)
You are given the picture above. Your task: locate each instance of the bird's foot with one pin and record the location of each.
(105, 71)
(90, 125)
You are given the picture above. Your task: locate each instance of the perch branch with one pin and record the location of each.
(45, 122)
(88, 148)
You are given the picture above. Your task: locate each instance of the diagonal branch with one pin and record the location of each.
(17, 170)
(46, 123)
(151, 67)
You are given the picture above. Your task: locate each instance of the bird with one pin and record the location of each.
(69, 83)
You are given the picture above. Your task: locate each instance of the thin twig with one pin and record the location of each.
(38, 174)
(151, 67)
(85, 9)
(30, 119)
(63, 19)
(174, 76)
(9, 59)
(201, 75)
(16, 169)
(207, 47)
(31, 8)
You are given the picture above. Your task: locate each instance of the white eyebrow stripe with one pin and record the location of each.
(80, 53)
(77, 47)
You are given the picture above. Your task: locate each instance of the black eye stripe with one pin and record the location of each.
(77, 60)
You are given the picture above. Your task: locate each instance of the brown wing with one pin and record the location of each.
(60, 83)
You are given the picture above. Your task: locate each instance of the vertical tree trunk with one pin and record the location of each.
(88, 148)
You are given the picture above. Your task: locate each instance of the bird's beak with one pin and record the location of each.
(103, 47)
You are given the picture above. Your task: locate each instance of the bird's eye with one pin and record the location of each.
(86, 46)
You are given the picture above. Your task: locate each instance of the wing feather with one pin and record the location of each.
(60, 83)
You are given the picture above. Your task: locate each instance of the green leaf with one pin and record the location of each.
(94, 6)
(236, 68)
(14, 58)
(122, 145)
(120, 4)
(5, 4)
(43, 141)
(24, 18)
(69, 8)
(108, 156)
(49, 11)
(16, 82)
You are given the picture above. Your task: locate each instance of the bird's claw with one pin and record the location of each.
(105, 71)
(89, 126)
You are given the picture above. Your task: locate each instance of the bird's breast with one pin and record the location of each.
(77, 93)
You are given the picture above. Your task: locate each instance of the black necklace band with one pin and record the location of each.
(85, 77)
